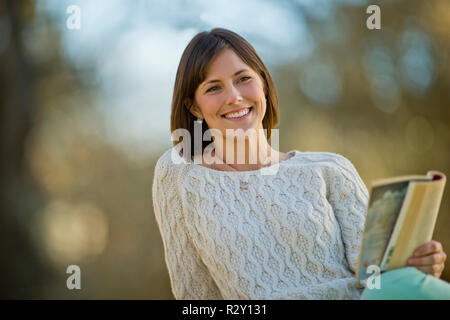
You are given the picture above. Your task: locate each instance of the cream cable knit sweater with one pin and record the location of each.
(243, 235)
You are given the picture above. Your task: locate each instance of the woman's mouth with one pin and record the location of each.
(236, 116)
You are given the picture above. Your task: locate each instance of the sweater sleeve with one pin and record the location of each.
(348, 195)
(189, 277)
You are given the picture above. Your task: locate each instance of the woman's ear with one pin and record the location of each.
(192, 108)
(187, 104)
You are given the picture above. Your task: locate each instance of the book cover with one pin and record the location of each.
(401, 215)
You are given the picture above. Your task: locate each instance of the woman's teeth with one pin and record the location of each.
(238, 114)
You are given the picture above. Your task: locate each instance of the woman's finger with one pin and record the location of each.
(428, 248)
(435, 258)
(434, 269)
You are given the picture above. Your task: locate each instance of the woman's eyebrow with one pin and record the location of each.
(235, 74)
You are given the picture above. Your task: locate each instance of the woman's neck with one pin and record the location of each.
(243, 154)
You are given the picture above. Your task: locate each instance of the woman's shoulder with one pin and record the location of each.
(335, 168)
(171, 157)
(170, 163)
(333, 164)
(323, 158)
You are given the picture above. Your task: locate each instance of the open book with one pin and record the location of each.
(401, 215)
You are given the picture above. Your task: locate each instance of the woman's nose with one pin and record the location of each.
(233, 95)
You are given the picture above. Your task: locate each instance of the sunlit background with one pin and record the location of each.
(85, 115)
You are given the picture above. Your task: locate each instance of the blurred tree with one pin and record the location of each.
(22, 274)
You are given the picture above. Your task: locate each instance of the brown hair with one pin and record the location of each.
(192, 69)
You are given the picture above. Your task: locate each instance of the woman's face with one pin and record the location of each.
(231, 86)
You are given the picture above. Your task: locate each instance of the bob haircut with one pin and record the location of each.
(194, 63)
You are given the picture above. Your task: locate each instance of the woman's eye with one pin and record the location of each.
(212, 89)
(215, 88)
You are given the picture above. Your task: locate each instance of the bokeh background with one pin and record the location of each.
(85, 115)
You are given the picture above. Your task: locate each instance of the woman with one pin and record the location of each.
(278, 226)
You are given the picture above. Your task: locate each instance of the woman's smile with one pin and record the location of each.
(238, 115)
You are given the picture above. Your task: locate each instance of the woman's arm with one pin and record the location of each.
(189, 277)
(348, 196)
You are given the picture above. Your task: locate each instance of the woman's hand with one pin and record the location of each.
(429, 258)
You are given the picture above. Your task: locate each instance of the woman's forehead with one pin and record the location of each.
(226, 63)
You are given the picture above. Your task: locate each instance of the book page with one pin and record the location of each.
(384, 207)
(419, 223)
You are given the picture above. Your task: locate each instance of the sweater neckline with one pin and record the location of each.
(294, 153)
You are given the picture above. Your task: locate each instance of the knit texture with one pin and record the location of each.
(295, 234)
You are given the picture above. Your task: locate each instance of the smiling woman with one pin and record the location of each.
(238, 231)
(222, 80)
